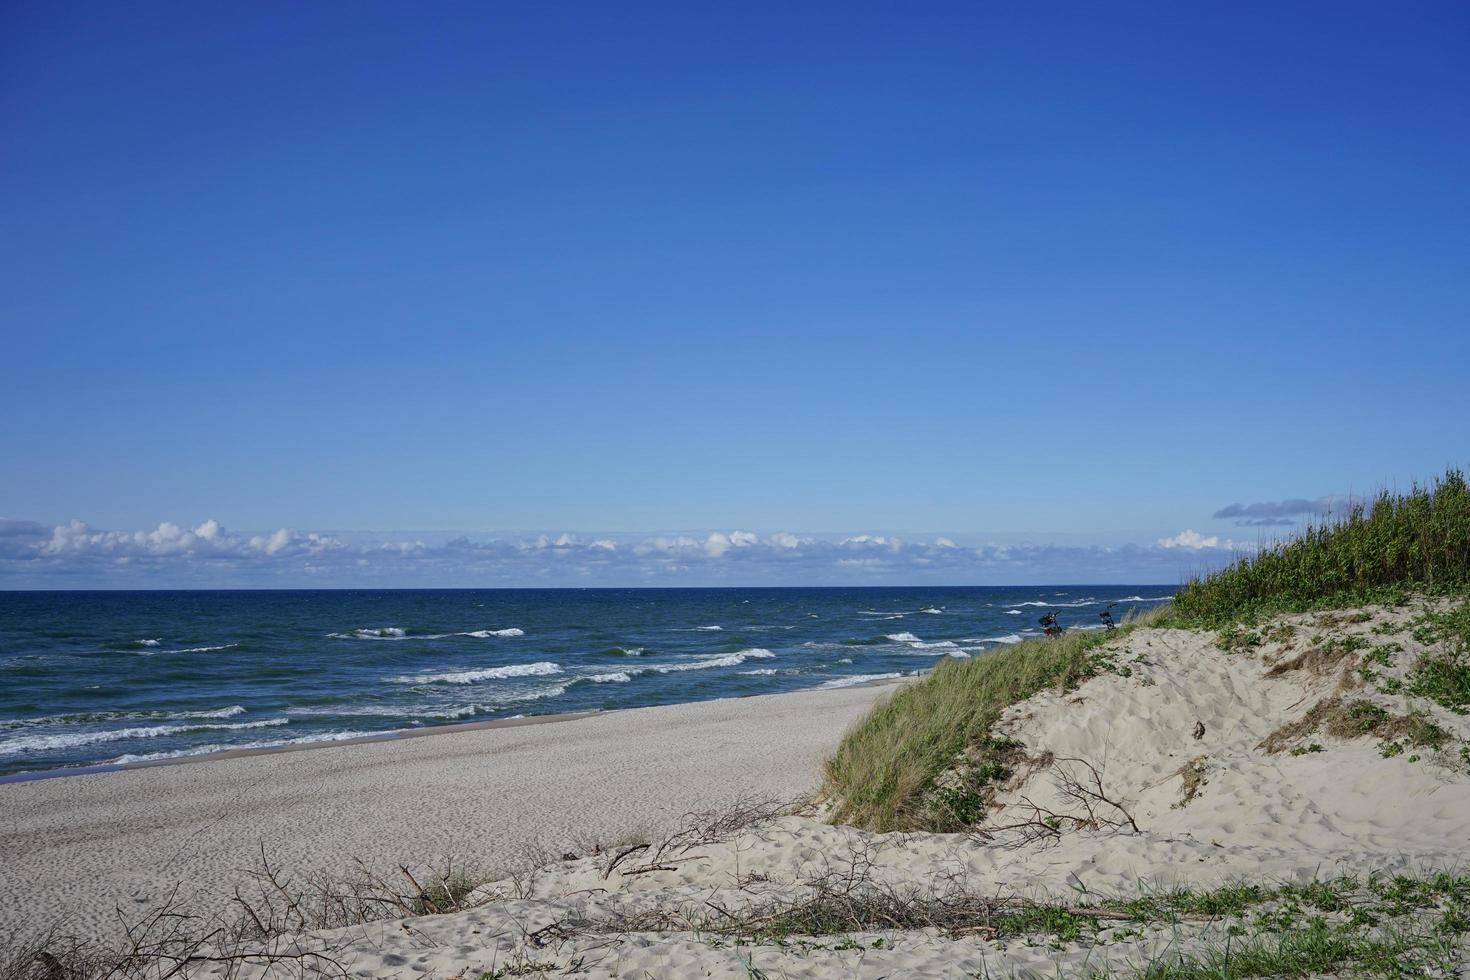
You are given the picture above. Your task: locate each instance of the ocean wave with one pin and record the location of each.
(959, 654)
(857, 679)
(247, 746)
(71, 740)
(372, 633)
(759, 672)
(616, 677)
(1013, 612)
(396, 633)
(367, 710)
(1139, 598)
(1062, 605)
(629, 651)
(538, 669)
(932, 610)
(93, 717)
(1008, 638)
(536, 695)
(146, 643)
(914, 643)
(726, 660)
(703, 629)
(223, 646)
(464, 711)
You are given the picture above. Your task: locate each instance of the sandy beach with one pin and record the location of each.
(72, 849)
(1258, 787)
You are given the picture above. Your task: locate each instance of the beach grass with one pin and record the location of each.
(1417, 541)
(886, 764)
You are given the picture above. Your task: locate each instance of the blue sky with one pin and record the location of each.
(1069, 277)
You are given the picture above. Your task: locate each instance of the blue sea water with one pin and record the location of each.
(114, 677)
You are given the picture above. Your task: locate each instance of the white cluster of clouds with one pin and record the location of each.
(1191, 540)
(207, 540)
(209, 555)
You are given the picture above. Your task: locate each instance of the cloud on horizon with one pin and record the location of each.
(76, 555)
(1282, 513)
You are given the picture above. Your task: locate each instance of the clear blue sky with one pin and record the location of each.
(1087, 270)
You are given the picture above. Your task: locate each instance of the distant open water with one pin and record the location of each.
(115, 677)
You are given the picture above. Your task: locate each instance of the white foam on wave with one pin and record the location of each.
(1008, 638)
(1062, 605)
(630, 651)
(959, 654)
(725, 660)
(395, 633)
(372, 633)
(706, 629)
(349, 710)
(535, 695)
(857, 679)
(1140, 598)
(616, 677)
(539, 669)
(914, 643)
(105, 716)
(71, 740)
(223, 646)
(759, 672)
(273, 744)
(1013, 612)
(932, 610)
(147, 643)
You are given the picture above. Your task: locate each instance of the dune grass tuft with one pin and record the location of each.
(1416, 541)
(889, 760)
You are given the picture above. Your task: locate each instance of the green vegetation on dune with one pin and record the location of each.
(1417, 541)
(889, 761)
(886, 774)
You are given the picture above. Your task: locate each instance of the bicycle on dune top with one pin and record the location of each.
(1050, 626)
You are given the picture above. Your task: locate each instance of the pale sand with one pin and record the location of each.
(1345, 810)
(73, 848)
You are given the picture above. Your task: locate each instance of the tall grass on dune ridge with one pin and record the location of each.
(888, 764)
(1418, 540)
(879, 775)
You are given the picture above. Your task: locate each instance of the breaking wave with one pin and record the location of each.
(395, 633)
(539, 669)
(71, 740)
(274, 744)
(93, 717)
(857, 679)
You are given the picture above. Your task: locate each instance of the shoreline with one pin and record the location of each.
(486, 798)
(394, 735)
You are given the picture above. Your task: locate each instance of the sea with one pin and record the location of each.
(92, 679)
